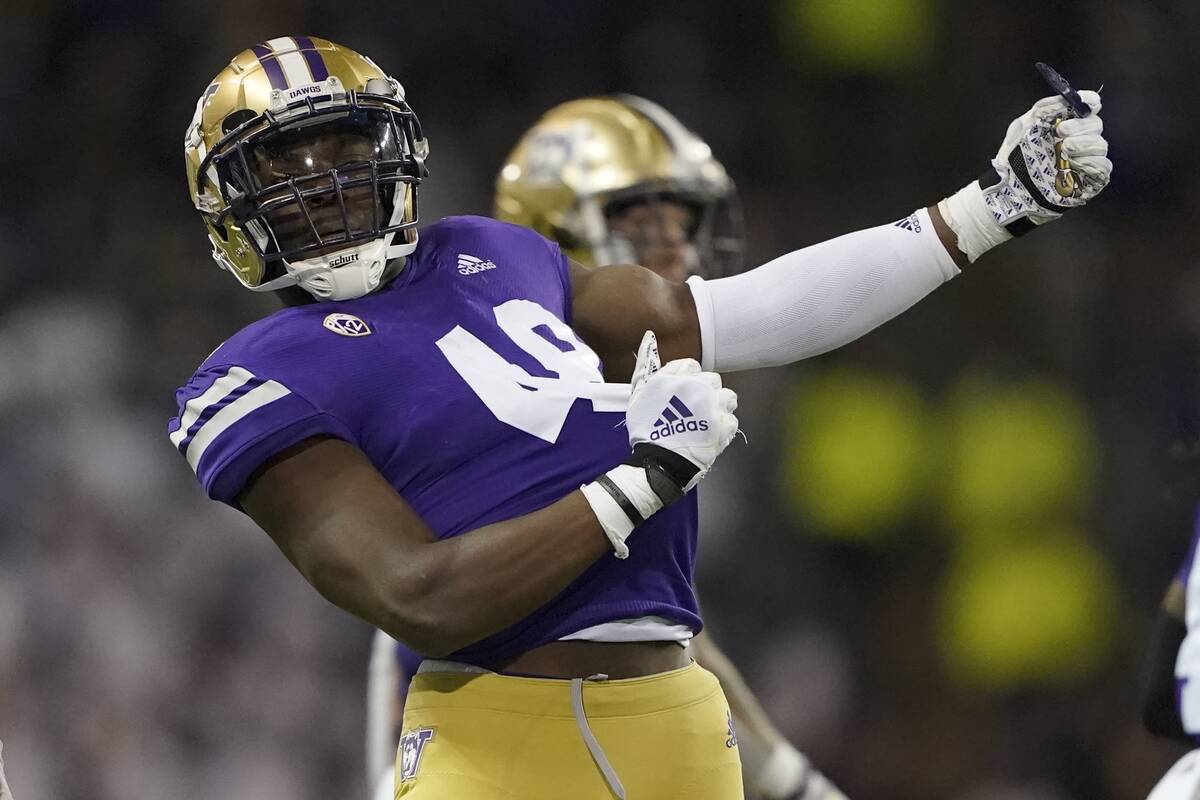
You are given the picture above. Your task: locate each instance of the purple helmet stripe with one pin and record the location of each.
(312, 57)
(271, 66)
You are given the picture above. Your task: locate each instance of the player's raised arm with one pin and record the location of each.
(816, 299)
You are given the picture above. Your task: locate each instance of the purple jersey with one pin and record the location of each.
(464, 384)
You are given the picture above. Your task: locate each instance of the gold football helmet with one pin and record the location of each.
(303, 158)
(587, 160)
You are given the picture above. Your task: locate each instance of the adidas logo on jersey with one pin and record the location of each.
(469, 265)
(909, 223)
(676, 418)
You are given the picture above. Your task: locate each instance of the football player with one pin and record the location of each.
(1171, 691)
(1173, 663)
(661, 200)
(435, 442)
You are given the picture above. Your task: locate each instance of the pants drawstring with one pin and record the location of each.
(589, 739)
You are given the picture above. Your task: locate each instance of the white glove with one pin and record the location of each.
(1018, 193)
(679, 420)
(680, 408)
(5, 792)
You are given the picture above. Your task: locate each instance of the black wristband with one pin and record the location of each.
(666, 471)
(624, 502)
(1022, 225)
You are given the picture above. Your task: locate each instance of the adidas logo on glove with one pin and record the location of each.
(676, 418)
(662, 467)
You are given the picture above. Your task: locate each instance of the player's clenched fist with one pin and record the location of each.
(680, 409)
(680, 418)
(1052, 159)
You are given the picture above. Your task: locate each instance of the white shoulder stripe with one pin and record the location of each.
(252, 400)
(213, 394)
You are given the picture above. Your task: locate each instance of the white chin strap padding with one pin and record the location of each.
(342, 283)
(345, 274)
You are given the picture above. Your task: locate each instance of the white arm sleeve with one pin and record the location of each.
(810, 301)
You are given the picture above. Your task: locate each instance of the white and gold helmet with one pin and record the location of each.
(587, 159)
(303, 158)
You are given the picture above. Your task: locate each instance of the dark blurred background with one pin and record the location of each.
(937, 556)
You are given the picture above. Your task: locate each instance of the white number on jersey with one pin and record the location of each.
(538, 406)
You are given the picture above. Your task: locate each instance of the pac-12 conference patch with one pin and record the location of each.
(347, 325)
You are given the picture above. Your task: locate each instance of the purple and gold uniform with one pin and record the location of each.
(464, 384)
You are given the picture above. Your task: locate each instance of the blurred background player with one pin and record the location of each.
(620, 180)
(1171, 686)
(1171, 690)
(5, 792)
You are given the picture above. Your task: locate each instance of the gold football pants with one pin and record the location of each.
(485, 736)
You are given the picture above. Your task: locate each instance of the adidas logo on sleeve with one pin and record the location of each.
(469, 265)
(676, 418)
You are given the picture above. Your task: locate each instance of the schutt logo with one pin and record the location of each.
(341, 261)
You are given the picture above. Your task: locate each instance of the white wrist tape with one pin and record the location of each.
(617, 519)
(810, 301)
(972, 221)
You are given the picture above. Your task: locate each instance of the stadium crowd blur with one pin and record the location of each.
(935, 559)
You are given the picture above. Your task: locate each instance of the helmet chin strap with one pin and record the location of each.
(344, 274)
